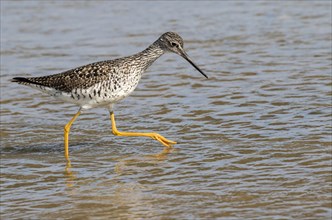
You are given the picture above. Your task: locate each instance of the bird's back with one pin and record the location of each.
(94, 84)
(99, 83)
(79, 78)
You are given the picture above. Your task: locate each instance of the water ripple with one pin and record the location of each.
(254, 140)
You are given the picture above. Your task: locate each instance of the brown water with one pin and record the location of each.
(254, 139)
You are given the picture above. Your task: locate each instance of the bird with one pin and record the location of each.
(105, 83)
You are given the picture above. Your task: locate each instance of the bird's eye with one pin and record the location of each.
(174, 44)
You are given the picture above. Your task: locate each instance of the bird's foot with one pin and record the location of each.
(163, 140)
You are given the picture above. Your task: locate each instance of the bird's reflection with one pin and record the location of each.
(71, 178)
(70, 175)
(163, 154)
(152, 158)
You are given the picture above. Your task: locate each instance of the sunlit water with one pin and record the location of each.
(254, 140)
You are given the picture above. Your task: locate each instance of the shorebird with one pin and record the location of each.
(104, 83)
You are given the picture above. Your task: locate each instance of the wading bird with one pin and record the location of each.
(102, 84)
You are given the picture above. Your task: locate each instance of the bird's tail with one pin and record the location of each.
(21, 80)
(25, 81)
(33, 83)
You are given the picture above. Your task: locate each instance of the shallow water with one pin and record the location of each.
(254, 140)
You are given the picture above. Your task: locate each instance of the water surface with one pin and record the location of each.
(254, 140)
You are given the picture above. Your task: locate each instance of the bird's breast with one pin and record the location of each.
(116, 88)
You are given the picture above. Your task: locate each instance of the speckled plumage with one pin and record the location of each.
(105, 82)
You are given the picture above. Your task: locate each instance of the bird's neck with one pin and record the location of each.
(149, 55)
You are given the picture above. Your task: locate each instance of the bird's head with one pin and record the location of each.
(172, 42)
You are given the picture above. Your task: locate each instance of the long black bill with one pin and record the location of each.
(185, 56)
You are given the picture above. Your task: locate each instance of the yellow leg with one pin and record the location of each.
(158, 137)
(66, 135)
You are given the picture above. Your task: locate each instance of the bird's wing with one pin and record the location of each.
(79, 78)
